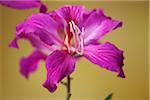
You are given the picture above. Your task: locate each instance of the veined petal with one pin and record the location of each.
(69, 13)
(35, 41)
(29, 64)
(55, 16)
(59, 64)
(21, 4)
(97, 25)
(106, 56)
(43, 26)
(61, 24)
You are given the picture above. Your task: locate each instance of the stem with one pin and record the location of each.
(68, 88)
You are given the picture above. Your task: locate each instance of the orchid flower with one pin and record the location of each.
(65, 35)
(24, 4)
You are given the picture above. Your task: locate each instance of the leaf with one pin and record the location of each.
(109, 97)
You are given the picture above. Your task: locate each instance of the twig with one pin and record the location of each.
(68, 88)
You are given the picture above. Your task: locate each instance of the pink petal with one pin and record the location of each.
(42, 26)
(29, 64)
(97, 25)
(59, 64)
(69, 13)
(33, 39)
(21, 4)
(61, 24)
(106, 56)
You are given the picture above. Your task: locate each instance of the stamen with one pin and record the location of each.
(74, 34)
(66, 43)
(81, 43)
(77, 37)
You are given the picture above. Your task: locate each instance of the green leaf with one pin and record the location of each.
(109, 97)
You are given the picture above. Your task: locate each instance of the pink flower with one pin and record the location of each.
(65, 35)
(24, 4)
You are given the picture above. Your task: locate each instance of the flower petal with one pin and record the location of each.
(36, 43)
(34, 40)
(21, 4)
(96, 25)
(29, 64)
(107, 56)
(43, 26)
(61, 24)
(69, 13)
(59, 64)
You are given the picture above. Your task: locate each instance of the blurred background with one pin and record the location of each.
(90, 82)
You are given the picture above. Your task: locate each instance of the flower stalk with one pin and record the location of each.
(68, 86)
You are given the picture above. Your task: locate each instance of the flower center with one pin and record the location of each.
(78, 44)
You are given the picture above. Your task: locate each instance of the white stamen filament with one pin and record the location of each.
(77, 37)
(77, 32)
(66, 43)
(74, 34)
(82, 41)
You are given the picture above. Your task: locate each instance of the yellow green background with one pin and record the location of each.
(90, 82)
